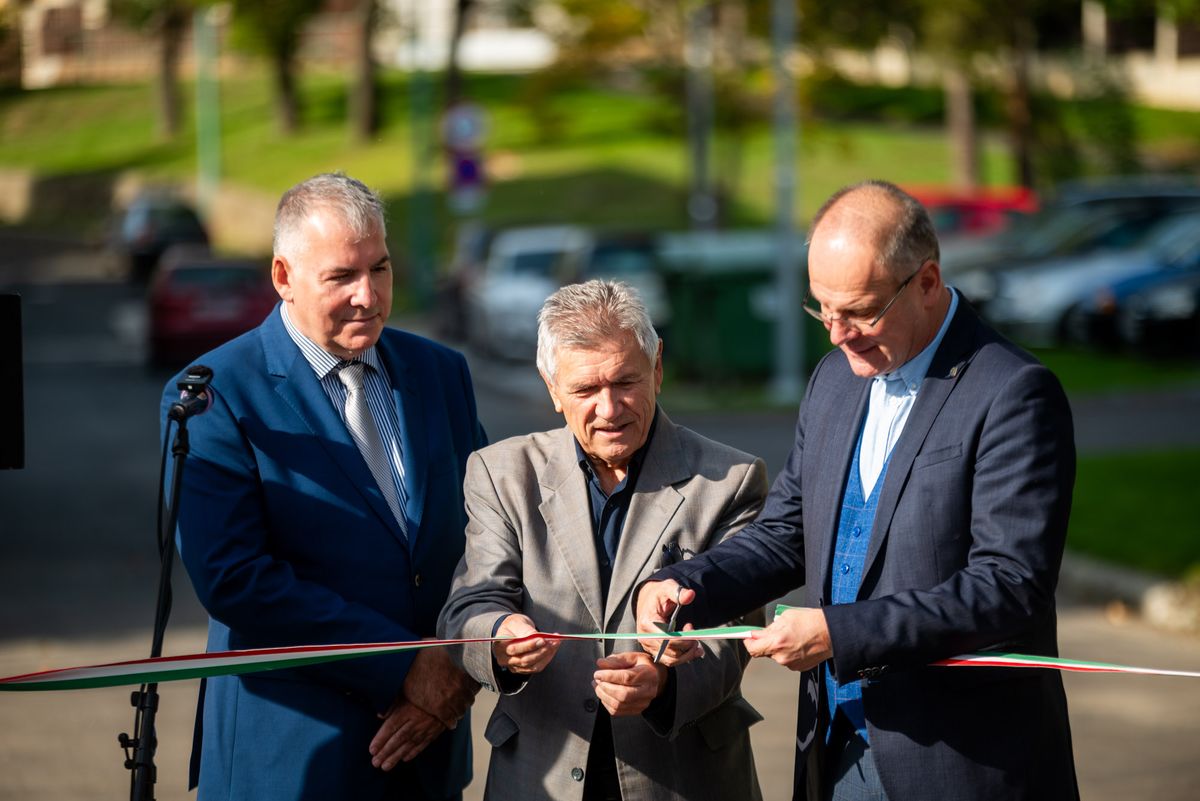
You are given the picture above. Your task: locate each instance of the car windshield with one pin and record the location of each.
(533, 263)
(614, 263)
(1049, 232)
(1176, 239)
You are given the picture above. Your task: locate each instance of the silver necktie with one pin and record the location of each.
(366, 436)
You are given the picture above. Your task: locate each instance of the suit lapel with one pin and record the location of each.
(654, 503)
(565, 509)
(947, 367)
(839, 444)
(410, 413)
(299, 388)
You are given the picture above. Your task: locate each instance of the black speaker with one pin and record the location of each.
(12, 385)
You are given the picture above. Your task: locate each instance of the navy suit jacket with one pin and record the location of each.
(289, 541)
(964, 555)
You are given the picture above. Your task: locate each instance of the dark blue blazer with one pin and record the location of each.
(288, 541)
(964, 555)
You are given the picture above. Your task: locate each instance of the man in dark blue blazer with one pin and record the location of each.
(924, 510)
(296, 528)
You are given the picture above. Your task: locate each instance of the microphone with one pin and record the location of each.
(195, 396)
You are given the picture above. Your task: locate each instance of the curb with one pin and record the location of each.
(1168, 605)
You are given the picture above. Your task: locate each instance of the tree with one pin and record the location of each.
(168, 21)
(364, 97)
(273, 27)
(453, 86)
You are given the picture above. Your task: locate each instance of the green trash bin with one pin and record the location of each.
(724, 308)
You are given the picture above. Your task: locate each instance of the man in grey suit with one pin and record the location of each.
(562, 526)
(924, 510)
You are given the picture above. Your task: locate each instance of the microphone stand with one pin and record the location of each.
(144, 741)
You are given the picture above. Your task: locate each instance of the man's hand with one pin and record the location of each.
(439, 687)
(627, 682)
(797, 639)
(527, 656)
(655, 602)
(405, 732)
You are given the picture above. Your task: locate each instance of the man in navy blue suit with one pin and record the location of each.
(924, 511)
(322, 503)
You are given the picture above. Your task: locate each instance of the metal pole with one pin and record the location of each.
(421, 216)
(208, 109)
(698, 57)
(788, 382)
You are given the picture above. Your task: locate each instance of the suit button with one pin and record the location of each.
(590, 705)
(417, 580)
(577, 774)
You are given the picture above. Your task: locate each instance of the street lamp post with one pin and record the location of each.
(788, 382)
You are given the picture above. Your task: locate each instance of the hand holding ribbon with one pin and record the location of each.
(524, 653)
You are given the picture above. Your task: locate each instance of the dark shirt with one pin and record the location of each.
(608, 521)
(609, 511)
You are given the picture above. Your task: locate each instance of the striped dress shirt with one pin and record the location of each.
(379, 398)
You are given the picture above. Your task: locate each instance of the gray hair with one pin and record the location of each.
(906, 242)
(587, 316)
(359, 207)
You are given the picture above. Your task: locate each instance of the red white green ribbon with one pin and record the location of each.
(1072, 665)
(194, 666)
(227, 663)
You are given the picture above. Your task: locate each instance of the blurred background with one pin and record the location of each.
(679, 145)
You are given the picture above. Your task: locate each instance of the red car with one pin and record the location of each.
(197, 302)
(981, 211)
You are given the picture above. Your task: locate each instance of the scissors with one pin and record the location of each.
(669, 627)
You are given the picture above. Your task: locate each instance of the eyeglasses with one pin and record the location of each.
(857, 321)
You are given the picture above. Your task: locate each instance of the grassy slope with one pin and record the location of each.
(1137, 510)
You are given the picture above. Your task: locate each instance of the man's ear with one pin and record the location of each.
(658, 368)
(281, 277)
(550, 388)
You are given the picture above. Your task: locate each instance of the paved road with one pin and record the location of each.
(77, 569)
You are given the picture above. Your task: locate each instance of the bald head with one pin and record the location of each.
(882, 216)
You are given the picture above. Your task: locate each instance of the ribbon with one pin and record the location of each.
(228, 663)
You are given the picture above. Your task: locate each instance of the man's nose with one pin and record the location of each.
(840, 333)
(607, 403)
(363, 295)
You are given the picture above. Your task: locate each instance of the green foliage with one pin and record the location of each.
(271, 26)
(1137, 509)
(1086, 371)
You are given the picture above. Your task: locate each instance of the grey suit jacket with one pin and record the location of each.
(530, 550)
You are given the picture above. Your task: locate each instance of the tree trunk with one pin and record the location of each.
(454, 81)
(1020, 111)
(171, 25)
(287, 103)
(364, 100)
(960, 125)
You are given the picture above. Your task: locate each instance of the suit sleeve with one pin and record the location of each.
(1019, 506)
(488, 583)
(225, 543)
(702, 685)
(764, 562)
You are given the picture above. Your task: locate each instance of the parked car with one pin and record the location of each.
(472, 240)
(197, 302)
(1082, 218)
(1037, 303)
(1152, 309)
(150, 225)
(1163, 318)
(631, 258)
(524, 266)
(973, 213)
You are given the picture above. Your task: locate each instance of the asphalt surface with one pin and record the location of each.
(78, 563)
